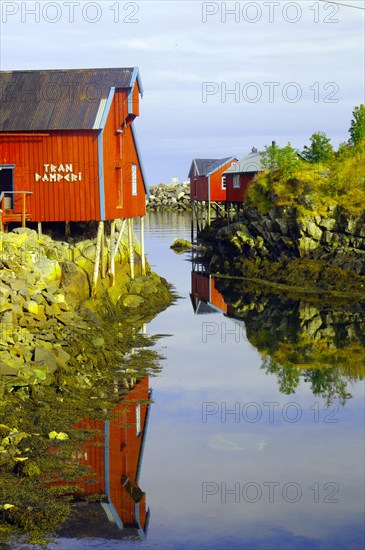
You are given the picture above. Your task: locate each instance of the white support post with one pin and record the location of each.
(120, 237)
(112, 252)
(131, 248)
(102, 254)
(143, 259)
(97, 257)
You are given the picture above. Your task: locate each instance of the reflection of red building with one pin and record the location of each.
(115, 457)
(204, 295)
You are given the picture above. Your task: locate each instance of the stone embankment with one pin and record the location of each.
(286, 247)
(169, 197)
(43, 282)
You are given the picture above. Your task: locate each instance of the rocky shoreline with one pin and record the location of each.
(45, 286)
(313, 253)
(64, 357)
(174, 197)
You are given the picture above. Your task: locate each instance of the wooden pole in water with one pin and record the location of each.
(130, 244)
(112, 252)
(143, 259)
(97, 258)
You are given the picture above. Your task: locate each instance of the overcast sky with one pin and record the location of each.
(293, 68)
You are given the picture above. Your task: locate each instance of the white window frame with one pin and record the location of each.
(134, 179)
(236, 181)
(224, 183)
(138, 419)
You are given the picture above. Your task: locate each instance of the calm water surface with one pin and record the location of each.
(230, 461)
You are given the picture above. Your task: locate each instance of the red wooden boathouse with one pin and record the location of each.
(207, 180)
(67, 140)
(207, 190)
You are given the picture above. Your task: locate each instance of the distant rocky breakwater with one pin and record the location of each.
(169, 197)
(45, 307)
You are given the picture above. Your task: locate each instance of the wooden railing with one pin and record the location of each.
(8, 215)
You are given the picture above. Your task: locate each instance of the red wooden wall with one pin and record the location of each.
(79, 200)
(239, 194)
(55, 200)
(116, 168)
(216, 192)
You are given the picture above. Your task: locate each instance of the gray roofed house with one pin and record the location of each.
(204, 167)
(248, 163)
(67, 99)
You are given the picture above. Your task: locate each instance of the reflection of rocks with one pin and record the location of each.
(322, 342)
(295, 321)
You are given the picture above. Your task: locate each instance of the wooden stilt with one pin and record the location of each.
(120, 237)
(97, 257)
(24, 209)
(67, 230)
(143, 259)
(112, 252)
(102, 254)
(130, 245)
(39, 230)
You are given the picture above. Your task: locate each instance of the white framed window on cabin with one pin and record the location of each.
(138, 419)
(236, 181)
(134, 179)
(224, 182)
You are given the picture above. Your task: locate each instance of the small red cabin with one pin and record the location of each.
(240, 175)
(68, 146)
(207, 180)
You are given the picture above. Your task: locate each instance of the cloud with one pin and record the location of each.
(176, 53)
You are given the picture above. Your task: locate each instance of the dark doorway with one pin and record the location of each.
(7, 184)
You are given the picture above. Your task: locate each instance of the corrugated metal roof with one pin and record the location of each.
(248, 163)
(57, 99)
(204, 167)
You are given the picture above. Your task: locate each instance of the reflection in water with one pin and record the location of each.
(116, 505)
(318, 342)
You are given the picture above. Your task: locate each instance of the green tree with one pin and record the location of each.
(283, 160)
(320, 149)
(357, 129)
